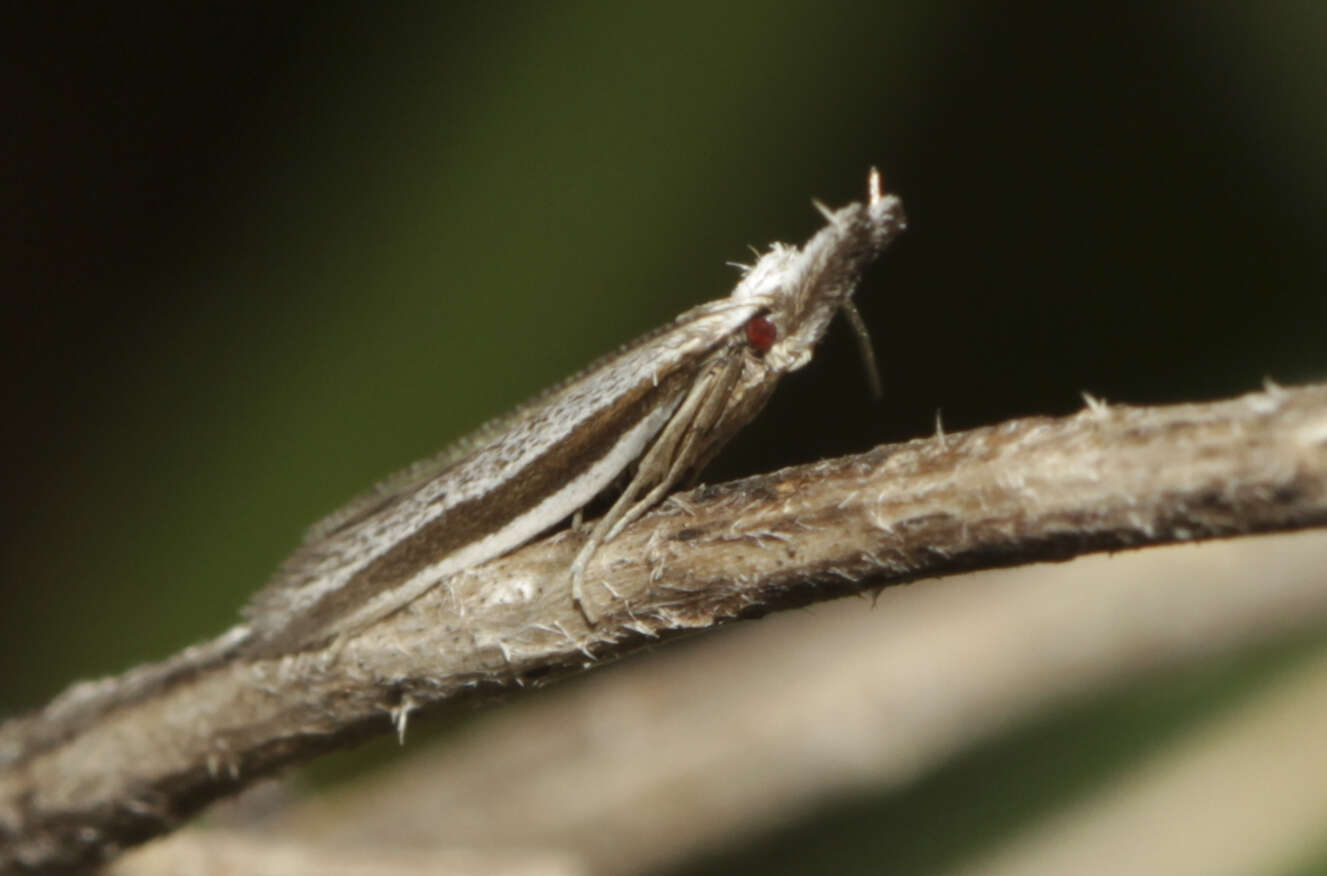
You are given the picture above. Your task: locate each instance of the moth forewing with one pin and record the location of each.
(657, 409)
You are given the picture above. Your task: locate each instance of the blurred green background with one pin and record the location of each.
(259, 256)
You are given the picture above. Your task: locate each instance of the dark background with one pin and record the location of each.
(256, 257)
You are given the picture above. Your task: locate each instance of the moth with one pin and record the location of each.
(649, 416)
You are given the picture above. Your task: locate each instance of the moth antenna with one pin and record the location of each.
(864, 347)
(824, 211)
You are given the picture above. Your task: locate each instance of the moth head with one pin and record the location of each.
(795, 293)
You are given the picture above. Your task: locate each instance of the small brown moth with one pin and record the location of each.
(656, 411)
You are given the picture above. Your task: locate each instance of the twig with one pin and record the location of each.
(111, 764)
(807, 716)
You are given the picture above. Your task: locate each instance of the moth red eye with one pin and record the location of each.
(761, 333)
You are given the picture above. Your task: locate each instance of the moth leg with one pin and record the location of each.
(650, 467)
(679, 444)
(691, 450)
